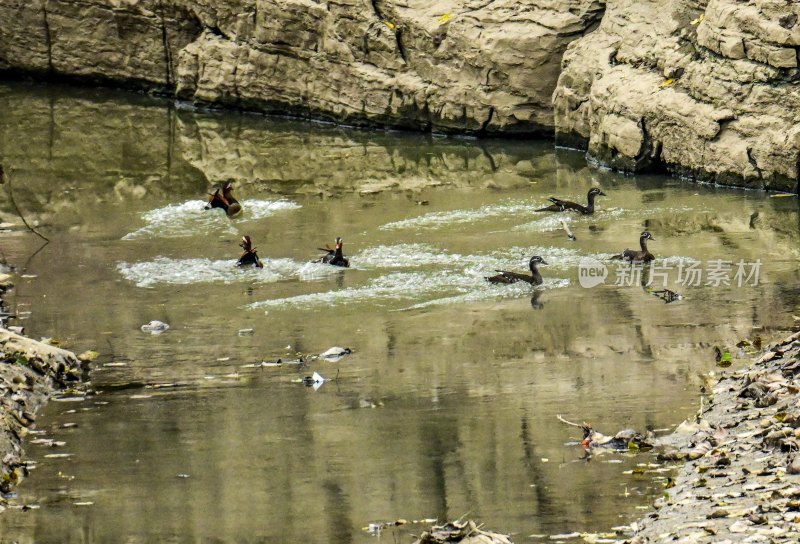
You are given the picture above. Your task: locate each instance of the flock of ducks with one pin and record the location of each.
(559, 205)
(223, 198)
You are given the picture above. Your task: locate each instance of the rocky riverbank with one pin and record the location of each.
(741, 480)
(30, 372)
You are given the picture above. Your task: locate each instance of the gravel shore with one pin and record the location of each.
(30, 372)
(741, 478)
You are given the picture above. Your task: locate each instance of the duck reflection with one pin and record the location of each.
(536, 304)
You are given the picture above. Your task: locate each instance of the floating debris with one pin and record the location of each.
(245, 332)
(570, 236)
(335, 353)
(155, 327)
(315, 381)
(624, 440)
(375, 528)
(457, 531)
(88, 356)
(667, 295)
(723, 358)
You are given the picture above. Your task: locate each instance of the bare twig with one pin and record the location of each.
(562, 420)
(19, 212)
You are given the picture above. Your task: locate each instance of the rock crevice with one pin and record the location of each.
(409, 64)
(714, 82)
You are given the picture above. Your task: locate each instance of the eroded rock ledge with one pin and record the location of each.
(478, 66)
(707, 88)
(30, 372)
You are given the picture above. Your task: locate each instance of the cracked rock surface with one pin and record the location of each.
(475, 66)
(706, 88)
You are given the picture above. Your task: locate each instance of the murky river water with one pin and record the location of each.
(447, 405)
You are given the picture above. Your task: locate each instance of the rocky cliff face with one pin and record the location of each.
(477, 66)
(706, 88)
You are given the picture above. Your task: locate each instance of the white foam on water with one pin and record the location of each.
(163, 270)
(423, 255)
(454, 280)
(397, 286)
(549, 220)
(435, 220)
(259, 209)
(405, 256)
(518, 257)
(494, 292)
(548, 223)
(314, 271)
(191, 218)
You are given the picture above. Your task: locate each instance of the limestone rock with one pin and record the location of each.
(455, 66)
(704, 88)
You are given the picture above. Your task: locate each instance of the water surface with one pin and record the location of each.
(448, 404)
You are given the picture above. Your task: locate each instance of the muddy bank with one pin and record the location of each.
(30, 372)
(741, 480)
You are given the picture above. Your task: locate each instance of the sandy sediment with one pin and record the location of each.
(30, 372)
(741, 478)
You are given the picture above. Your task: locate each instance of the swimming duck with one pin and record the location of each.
(249, 257)
(642, 256)
(334, 256)
(513, 277)
(225, 200)
(559, 205)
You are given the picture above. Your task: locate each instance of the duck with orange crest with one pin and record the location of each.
(334, 256)
(249, 257)
(224, 199)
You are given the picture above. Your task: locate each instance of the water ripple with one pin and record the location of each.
(163, 270)
(435, 220)
(190, 218)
